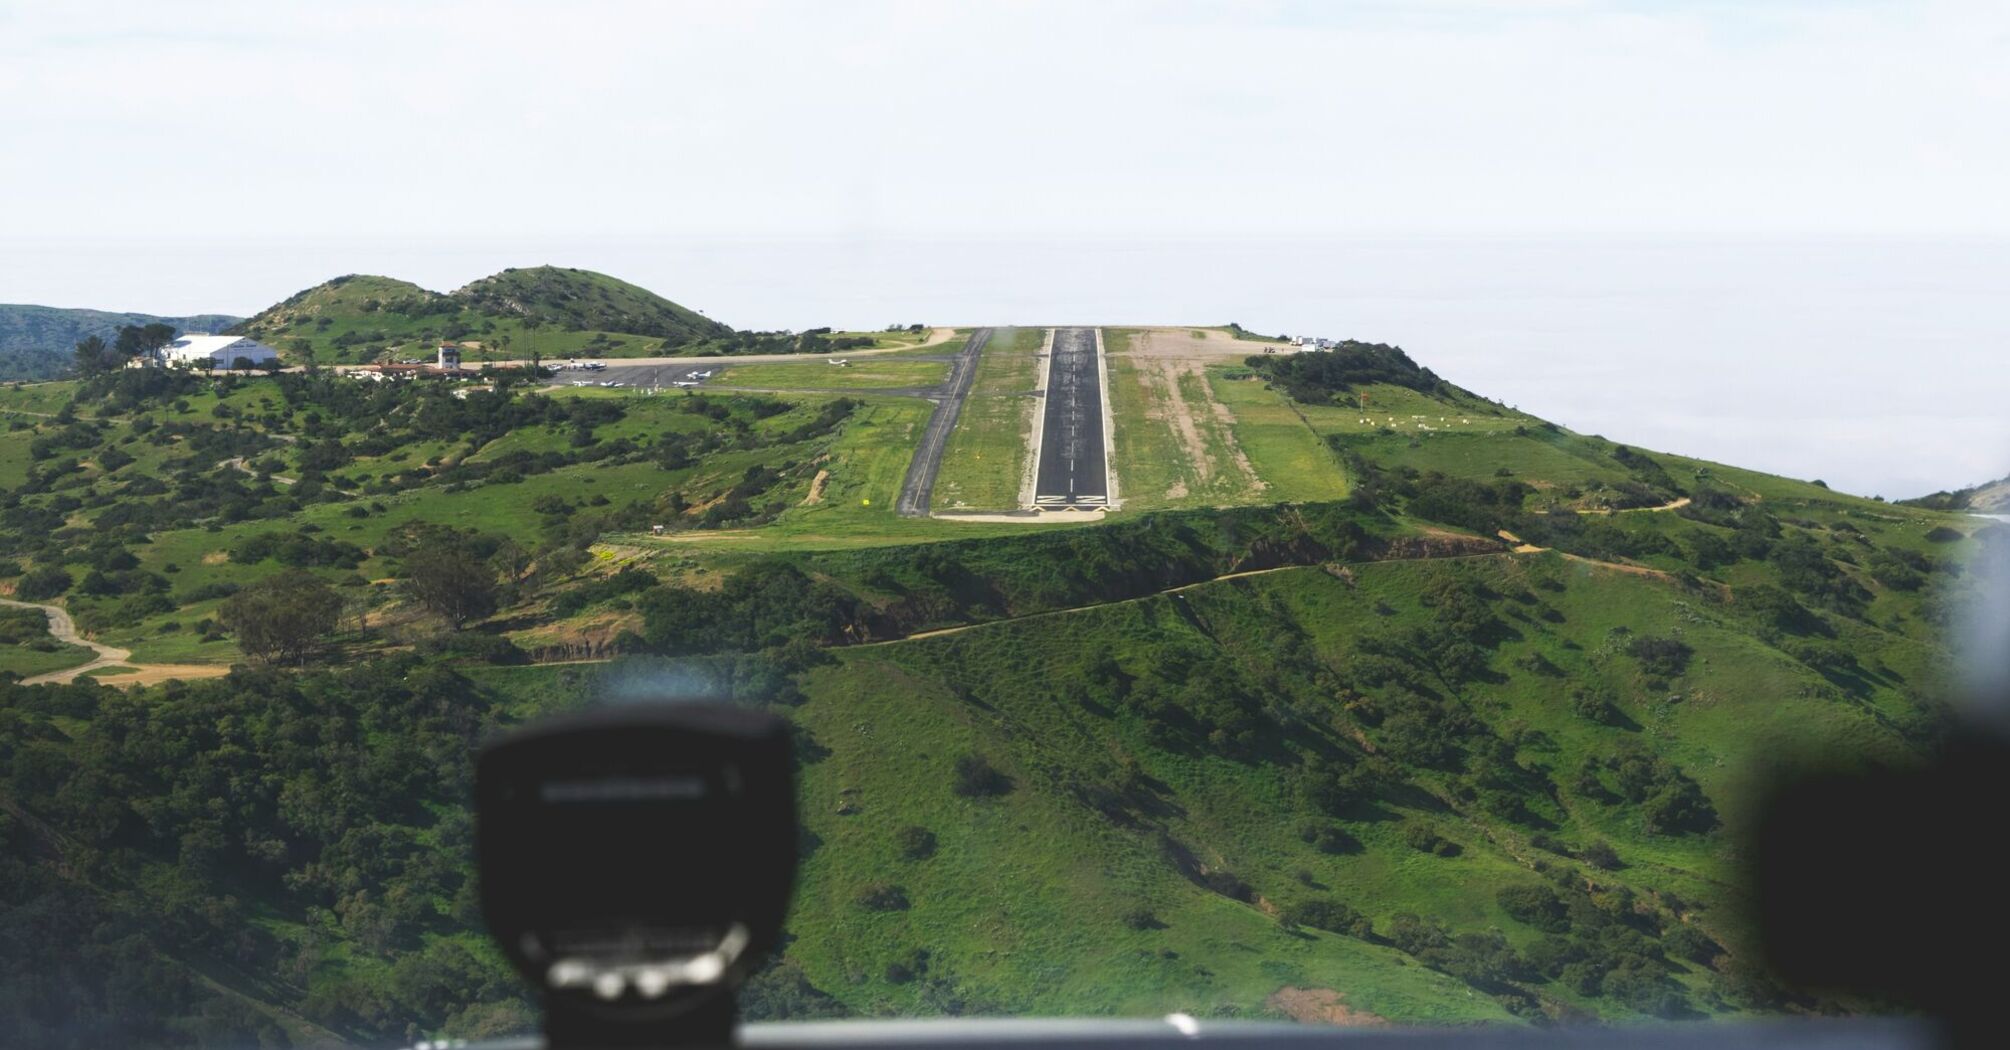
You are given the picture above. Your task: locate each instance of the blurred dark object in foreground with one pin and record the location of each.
(1884, 887)
(636, 864)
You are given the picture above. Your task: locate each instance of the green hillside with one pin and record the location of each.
(35, 341)
(1992, 497)
(540, 310)
(578, 300)
(1470, 744)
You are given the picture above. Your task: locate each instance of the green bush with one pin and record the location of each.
(1660, 657)
(1331, 916)
(1600, 854)
(976, 778)
(916, 842)
(1684, 941)
(1536, 906)
(1142, 918)
(43, 583)
(1425, 839)
(1229, 885)
(882, 896)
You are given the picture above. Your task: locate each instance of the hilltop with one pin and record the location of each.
(1990, 497)
(35, 341)
(542, 310)
(1374, 693)
(580, 301)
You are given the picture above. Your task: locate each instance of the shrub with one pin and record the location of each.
(1326, 838)
(1228, 885)
(1594, 705)
(1536, 906)
(1142, 918)
(1660, 657)
(916, 842)
(43, 583)
(1687, 942)
(1600, 854)
(488, 648)
(882, 896)
(1677, 807)
(976, 778)
(1777, 610)
(1331, 916)
(1425, 839)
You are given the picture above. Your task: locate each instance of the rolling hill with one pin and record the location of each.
(544, 310)
(1992, 497)
(1469, 741)
(35, 341)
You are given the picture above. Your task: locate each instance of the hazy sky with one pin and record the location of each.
(1773, 233)
(494, 117)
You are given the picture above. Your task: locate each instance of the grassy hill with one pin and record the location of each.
(540, 310)
(35, 341)
(1272, 760)
(1991, 497)
(577, 300)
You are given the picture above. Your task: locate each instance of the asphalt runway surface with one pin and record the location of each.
(919, 487)
(1072, 470)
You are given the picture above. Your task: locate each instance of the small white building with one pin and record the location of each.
(217, 352)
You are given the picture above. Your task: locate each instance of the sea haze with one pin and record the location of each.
(1880, 366)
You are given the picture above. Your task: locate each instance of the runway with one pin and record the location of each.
(919, 487)
(1073, 472)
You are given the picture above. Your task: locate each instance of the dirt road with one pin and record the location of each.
(64, 630)
(238, 464)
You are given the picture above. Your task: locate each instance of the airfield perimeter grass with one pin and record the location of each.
(985, 461)
(867, 464)
(901, 340)
(1288, 455)
(1155, 468)
(865, 373)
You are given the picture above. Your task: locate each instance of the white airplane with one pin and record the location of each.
(682, 382)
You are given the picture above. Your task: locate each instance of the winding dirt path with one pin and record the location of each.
(238, 464)
(64, 629)
(1676, 505)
